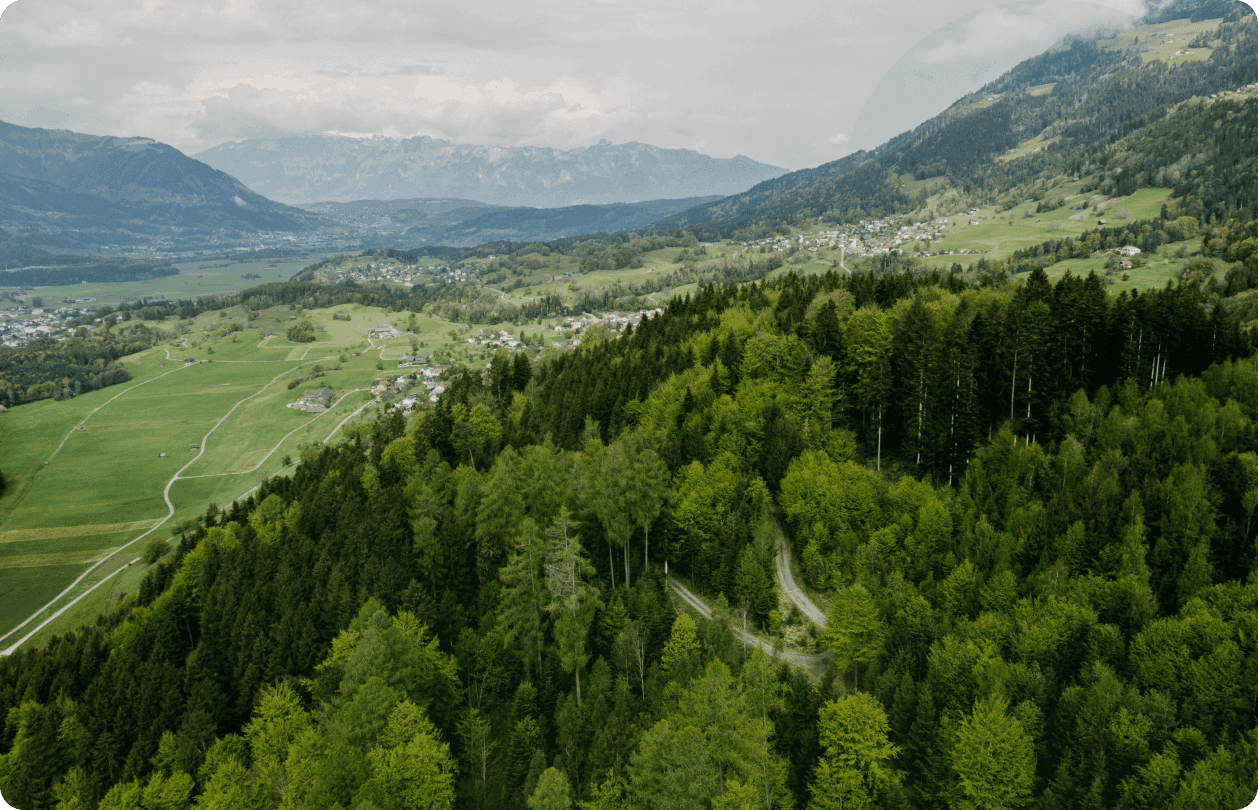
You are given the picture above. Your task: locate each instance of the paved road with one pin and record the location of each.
(746, 638)
(787, 582)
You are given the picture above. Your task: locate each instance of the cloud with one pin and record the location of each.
(1025, 28)
(564, 73)
(838, 139)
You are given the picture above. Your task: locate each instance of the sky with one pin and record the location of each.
(793, 83)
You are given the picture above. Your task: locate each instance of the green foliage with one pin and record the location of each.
(993, 759)
(301, 332)
(856, 763)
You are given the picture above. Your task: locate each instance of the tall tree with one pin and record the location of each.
(648, 486)
(853, 632)
(573, 598)
(869, 355)
(992, 759)
(856, 762)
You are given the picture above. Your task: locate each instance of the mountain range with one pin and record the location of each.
(71, 190)
(465, 223)
(330, 168)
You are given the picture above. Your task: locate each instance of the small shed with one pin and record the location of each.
(194, 447)
(161, 455)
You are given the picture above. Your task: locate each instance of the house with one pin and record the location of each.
(383, 331)
(1129, 250)
(315, 403)
(1126, 263)
(161, 455)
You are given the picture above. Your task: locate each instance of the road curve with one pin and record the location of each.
(746, 638)
(787, 583)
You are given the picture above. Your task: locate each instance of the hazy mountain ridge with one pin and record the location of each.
(313, 168)
(63, 186)
(465, 223)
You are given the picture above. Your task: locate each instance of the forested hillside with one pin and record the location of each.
(1029, 508)
(1095, 96)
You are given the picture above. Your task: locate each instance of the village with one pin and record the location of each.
(23, 325)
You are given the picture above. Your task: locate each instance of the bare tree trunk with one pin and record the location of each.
(921, 396)
(880, 438)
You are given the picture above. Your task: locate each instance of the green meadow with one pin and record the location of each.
(86, 476)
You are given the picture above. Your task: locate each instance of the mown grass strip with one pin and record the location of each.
(55, 532)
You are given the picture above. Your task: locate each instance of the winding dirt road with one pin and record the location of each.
(787, 582)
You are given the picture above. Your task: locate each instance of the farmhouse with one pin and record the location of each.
(314, 403)
(383, 331)
(1129, 250)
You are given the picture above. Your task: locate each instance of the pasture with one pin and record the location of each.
(87, 477)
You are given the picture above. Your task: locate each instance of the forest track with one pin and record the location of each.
(787, 581)
(800, 659)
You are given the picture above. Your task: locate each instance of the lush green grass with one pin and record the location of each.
(108, 471)
(1180, 32)
(102, 600)
(25, 590)
(999, 234)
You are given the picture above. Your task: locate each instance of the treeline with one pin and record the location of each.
(27, 266)
(59, 369)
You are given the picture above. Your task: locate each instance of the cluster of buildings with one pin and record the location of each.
(864, 239)
(21, 326)
(318, 402)
(570, 329)
(496, 339)
(407, 274)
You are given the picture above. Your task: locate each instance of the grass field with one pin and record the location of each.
(85, 476)
(1171, 38)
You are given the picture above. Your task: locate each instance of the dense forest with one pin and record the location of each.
(51, 368)
(1027, 507)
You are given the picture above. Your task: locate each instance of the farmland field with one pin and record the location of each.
(87, 476)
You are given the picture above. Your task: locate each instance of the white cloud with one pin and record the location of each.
(774, 84)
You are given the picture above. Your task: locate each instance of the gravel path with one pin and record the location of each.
(746, 638)
(787, 581)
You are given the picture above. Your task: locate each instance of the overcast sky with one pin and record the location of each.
(783, 82)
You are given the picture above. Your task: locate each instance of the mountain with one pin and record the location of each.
(464, 223)
(74, 190)
(313, 168)
(1074, 101)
